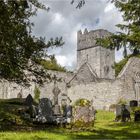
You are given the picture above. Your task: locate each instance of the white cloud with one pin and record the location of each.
(109, 7)
(62, 60)
(58, 18)
(68, 60)
(119, 55)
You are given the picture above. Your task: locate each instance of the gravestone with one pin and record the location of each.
(118, 110)
(67, 111)
(56, 110)
(33, 111)
(19, 95)
(122, 113)
(29, 100)
(83, 113)
(63, 102)
(133, 103)
(63, 99)
(125, 113)
(45, 110)
(45, 106)
(137, 116)
(56, 91)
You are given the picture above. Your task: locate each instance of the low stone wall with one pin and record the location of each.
(11, 89)
(103, 93)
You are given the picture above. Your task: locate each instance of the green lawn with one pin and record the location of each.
(104, 128)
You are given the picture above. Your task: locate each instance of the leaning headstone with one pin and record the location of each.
(29, 100)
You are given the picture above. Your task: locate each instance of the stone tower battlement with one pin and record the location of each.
(100, 59)
(87, 39)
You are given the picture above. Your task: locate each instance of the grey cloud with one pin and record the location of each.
(65, 20)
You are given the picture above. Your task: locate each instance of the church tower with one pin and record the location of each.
(100, 59)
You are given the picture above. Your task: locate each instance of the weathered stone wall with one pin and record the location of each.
(130, 74)
(103, 93)
(107, 59)
(11, 90)
(92, 56)
(46, 89)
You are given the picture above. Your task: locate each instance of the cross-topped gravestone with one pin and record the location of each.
(56, 92)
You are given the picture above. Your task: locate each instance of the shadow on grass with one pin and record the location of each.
(111, 131)
(129, 130)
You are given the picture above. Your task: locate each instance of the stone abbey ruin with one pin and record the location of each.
(94, 78)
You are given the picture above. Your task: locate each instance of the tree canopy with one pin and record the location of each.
(51, 64)
(19, 50)
(79, 3)
(129, 36)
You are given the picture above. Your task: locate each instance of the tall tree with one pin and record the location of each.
(129, 36)
(79, 3)
(19, 50)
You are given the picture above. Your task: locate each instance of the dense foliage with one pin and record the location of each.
(119, 66)
(79, 3)
(36, 94)
(51, 64)
(82, 102)
(129, 37)
(18, 48)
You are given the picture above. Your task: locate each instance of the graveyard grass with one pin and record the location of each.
(104, 128)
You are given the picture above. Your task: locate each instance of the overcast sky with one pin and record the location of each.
(65, 20)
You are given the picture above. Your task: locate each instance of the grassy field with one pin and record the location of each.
(104, 128)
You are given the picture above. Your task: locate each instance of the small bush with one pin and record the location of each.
(82, 102)
(134, 109)
(122, 101)
(36, 94)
